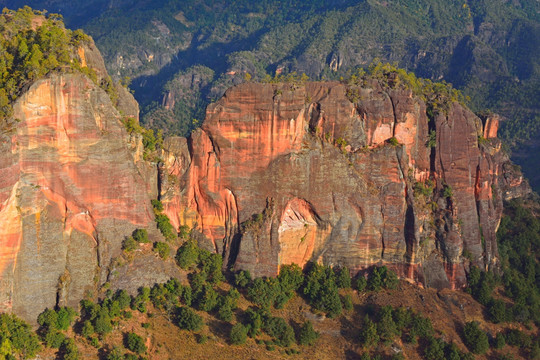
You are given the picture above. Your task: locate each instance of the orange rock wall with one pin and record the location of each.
(330, 186)
(69, 193)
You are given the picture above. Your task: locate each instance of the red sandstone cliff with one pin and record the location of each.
(276, 175)
(69, 193)
(281, 174)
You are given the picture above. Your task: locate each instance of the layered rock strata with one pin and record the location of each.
(70, 192)
(283, 173)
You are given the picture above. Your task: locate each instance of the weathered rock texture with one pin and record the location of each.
(70, 192)
(283, 173)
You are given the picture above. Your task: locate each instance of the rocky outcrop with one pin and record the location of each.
(69, 193)
(284, 173)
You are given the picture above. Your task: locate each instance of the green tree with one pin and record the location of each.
(129, 244)
(165, 227)
(162, 249)
(238, 335)
(475, 339)
(263, 291)
(102, 323)
(187, 319)
(140, 236)
(282, 332)
(343, 278)
(242, 278)
(368, 334)
(347, 302)
(360, 283)
(69, 350)
(65, 317)
(134, 343)
(307, 335)
(434, 349)
(48, 319)
(208, 299)
(187, 255)
(53, 338)
(87, 329)
(17, 337)
(386, 327)
(290, 277)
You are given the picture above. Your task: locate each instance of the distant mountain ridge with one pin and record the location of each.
(181, 55)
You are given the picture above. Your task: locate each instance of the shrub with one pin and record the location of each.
(499, 342)
(65, 318)
(360, 283)
(53, 338)
(129, 244)
(290, 278)
(134, 343)
(347, 302)
(103, 324)
(69, 350)
(475, 339)
(321, 290)
(393, 141)
(87, 329)
(115, 354)
(158, 205)
(434, 349)
(162, 249)
(282, 332)
(140, 236)
(139, 301)
(307, 335)
(447, 192)
(187, 319)
(187, 255)
(48, 319)
(368, 334)
(343, 278)
(17, 337)
(164, 225)
(238, 334)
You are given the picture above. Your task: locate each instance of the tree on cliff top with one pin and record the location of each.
(32, 46)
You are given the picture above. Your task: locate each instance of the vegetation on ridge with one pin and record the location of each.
(34, 44)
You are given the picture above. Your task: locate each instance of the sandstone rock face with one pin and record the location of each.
(69, 193)
(283, 173)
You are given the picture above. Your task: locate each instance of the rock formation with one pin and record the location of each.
(283, 173)
(278, 174)
(69, 193)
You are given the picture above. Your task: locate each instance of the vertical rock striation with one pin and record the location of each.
(69, 193)
(283, 173)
